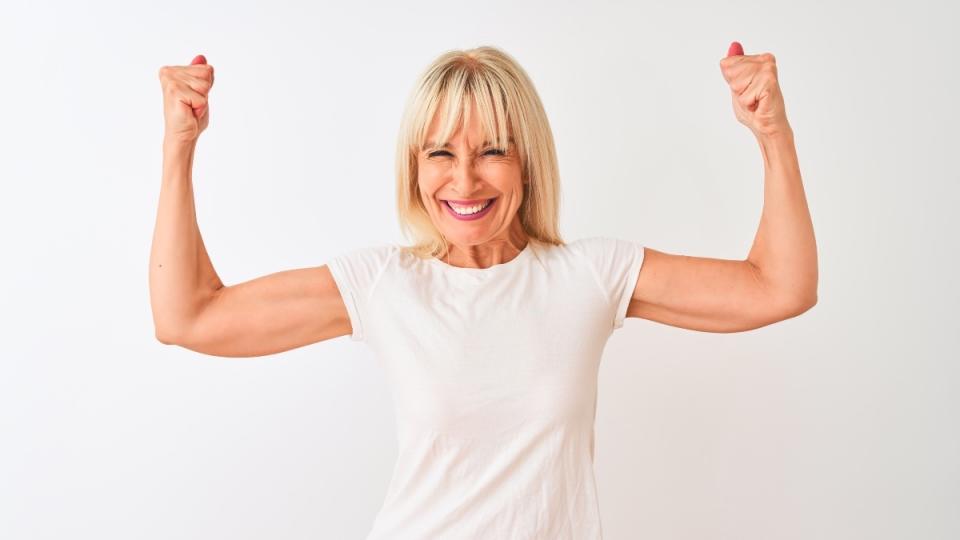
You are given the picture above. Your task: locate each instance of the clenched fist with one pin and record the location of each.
(757, 101)
(185, 89)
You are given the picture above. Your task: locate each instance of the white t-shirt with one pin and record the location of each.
(493, 374)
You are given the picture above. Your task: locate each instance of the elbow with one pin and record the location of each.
(811, 301)
(791, 296)
(167, 335)
(164, 336)
(800, 303)
(808, 298)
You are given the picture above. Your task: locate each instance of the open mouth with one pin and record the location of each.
(469, 211)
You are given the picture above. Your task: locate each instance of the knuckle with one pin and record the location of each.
(169, 87)
(167, 73)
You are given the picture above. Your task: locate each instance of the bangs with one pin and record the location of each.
(449, 98)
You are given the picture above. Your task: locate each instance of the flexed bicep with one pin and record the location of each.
(706, 294)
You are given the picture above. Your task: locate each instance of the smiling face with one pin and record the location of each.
(472, 190)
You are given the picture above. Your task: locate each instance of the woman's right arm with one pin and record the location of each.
(191, 306)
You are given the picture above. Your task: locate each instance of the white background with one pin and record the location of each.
(838, 424)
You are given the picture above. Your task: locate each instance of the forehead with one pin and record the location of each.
(469, 125)
(469, 122)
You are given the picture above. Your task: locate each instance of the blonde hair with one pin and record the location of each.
(507, 103)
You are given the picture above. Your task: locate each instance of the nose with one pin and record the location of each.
(466, 181)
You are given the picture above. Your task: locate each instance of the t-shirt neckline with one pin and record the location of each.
(524, 253)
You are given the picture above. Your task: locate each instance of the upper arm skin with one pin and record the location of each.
(269, 314)
(710, 295)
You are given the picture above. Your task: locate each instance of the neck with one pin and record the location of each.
(504, 248)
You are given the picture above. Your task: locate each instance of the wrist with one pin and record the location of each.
(775, 134)
(778, 148)
(174, 144)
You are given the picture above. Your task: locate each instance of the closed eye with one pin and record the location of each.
(492, 151)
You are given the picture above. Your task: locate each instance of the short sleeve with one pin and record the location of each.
(356, 273)
(616, 264)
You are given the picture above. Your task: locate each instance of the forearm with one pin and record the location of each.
(785, 249)
(182, 278)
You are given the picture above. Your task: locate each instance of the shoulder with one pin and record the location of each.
(614, 262)
(360, 268)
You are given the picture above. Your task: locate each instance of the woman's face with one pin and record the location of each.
(472, 172)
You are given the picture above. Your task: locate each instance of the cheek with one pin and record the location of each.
(429, 179)
(505, 176)
(427, 193)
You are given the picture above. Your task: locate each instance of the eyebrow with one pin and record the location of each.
(432, 144)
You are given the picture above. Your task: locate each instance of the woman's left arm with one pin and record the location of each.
(778, 279)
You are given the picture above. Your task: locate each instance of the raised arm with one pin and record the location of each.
(778, 279)
(191, 306)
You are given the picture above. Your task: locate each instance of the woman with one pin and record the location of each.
(490, 326)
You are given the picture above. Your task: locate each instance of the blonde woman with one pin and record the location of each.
(490, 325)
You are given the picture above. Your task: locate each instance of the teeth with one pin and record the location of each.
(467, 210)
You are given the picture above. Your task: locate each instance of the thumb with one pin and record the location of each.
(199, 59)
(736, 49)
